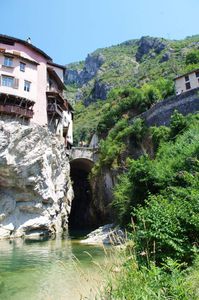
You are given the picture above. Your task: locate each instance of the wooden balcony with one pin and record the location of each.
(16, 110)
(54, 108)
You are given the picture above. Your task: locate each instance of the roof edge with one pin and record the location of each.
(51, 63)
(13, 39)
(195, 70)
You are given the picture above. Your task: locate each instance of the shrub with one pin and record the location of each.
(159, 135)
(167, 226)
(162, 194)
(134, 281)
(192, 57)
(178, 124)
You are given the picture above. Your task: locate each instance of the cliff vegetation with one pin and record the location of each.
(135, 64)
(156, 195)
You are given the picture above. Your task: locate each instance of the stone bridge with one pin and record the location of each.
(82, 159)
(84, 153)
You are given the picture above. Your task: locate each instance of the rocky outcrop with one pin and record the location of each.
(107, 234)
(35, 187)
(100, 91)
(165, 57)
(102, 195)
(80, 77)
(149, 44)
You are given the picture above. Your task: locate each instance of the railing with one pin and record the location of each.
(17, 110)
(54, 90)
(54, 108)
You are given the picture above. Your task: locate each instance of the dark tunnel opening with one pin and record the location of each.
(79, 219)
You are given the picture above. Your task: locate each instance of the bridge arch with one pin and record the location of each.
(79, 218)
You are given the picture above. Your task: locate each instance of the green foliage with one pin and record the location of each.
(122, 100)
(120, 70)
(162, 194)
(168, 226)
(133, 101)
(158, 89)
(190, 68)
(192, 57)
(137, 282)
(178, 124)
(115, 143)
(86, 120)
(159, 135)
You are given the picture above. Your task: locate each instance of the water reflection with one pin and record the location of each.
(47, 269)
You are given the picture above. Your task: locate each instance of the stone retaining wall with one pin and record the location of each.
(161, 112)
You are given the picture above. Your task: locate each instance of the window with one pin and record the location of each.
(7, 81)
(197, 73)
(22, 67)
(8, 61)
(188, 85)
(187, 78)
(27, 86)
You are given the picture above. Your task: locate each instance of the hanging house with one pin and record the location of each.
(31, 88)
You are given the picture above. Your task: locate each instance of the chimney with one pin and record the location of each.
(29, 40)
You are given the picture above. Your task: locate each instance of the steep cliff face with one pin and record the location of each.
(150, 45)
(35, 187)
(91, 66)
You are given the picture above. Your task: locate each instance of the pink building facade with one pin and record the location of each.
(31, 88)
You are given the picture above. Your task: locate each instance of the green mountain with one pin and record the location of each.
(134, 63)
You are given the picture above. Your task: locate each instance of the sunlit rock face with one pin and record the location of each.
(35, 186)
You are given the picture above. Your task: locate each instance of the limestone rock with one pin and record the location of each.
(35, 187)
(107, 234)
(80, 77)
(100, 91)
(165, 57)
(147, 44)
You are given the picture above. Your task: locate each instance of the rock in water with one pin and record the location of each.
(35, 186)
(107, 234)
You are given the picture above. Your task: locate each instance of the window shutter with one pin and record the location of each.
(16, 83)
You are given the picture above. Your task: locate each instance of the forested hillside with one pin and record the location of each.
(145, 63)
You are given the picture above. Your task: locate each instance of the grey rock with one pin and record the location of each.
(99, 91)
(107, 234)
(92, 64)
(35, 186)
(146, 44)
(165, 57)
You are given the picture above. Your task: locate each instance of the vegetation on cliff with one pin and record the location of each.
(157, 200)
(156, 196)
(132, 64)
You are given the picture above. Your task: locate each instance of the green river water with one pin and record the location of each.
(51, 270)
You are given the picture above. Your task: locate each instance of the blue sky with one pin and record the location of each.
(68, 30)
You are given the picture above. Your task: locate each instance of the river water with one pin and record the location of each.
(51, 270)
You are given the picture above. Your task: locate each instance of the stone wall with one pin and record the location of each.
(161, 112)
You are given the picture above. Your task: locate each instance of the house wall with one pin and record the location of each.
(37, 75)
(180, 83)
(30, 74)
